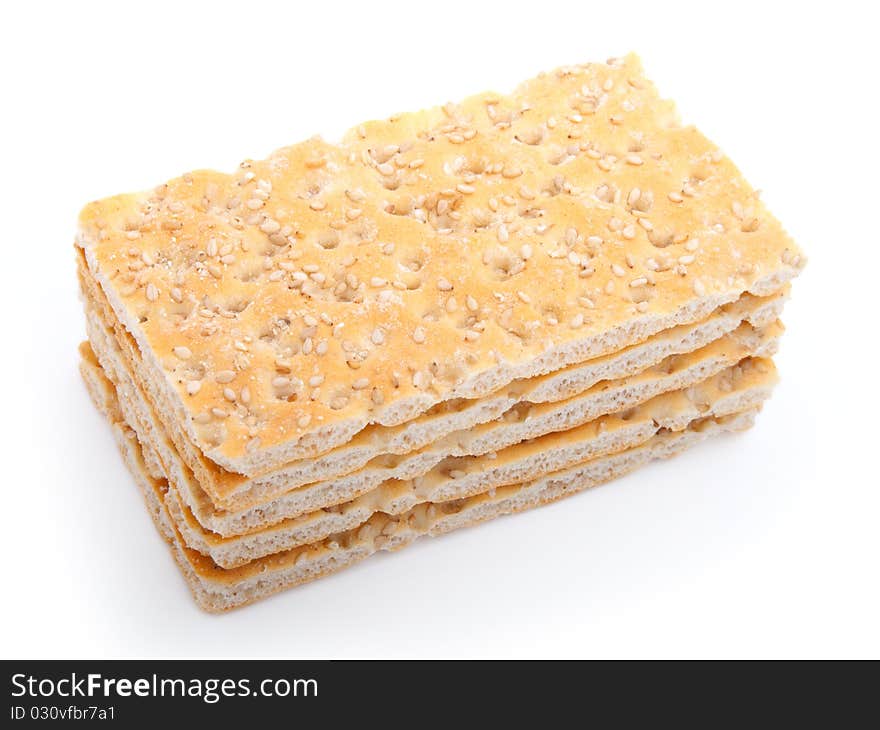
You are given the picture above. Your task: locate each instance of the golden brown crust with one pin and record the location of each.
(332, 286)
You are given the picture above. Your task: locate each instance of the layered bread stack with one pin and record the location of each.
(449, 316)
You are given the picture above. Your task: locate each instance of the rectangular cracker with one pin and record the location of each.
(217, 589)
(743, 387)
(427, 257)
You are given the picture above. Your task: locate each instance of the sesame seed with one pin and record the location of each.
(699, 288)
(524, 297)
(675, 197)
(152, 293)
(687, 259)
(378, 336)
(471, 335)
(176, 295)
(193, 387)
(472, 304)
(503, 234)
(225, 376)
(270, 226)
(184, 353)
(229, 394)
(465, 189)
(339, 402)
(576, 321)
(633, 160)
(444, 284)
(303, 420)
(418, 335)
(310, 320)
(245, 395)
(629, 231)
(385, 168)
(617, 269)
(640, 281)
(526, 252)
(219, 413)
(360, 383)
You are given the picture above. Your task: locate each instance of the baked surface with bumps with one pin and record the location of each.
(428, 256)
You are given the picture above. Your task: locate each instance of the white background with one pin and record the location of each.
(759, 545)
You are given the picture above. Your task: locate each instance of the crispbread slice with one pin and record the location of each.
(428, 257)
(219, 589)
(676, 372)
(742, 387)
(371, 447)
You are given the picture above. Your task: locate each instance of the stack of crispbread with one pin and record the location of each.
(449, 316)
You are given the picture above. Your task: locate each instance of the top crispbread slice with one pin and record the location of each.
(429, 256)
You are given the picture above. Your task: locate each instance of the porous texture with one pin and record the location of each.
(741, 387)
(431, 256)
(219, 589)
